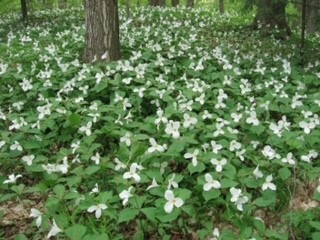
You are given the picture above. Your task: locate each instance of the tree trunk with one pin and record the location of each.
(128, 8)
(221, 6)
(159, 3)
(190, 3)
(63, 4)
(29, 5)
(271, 14)
(102, 26)
(24, 11)
(175, 3)
(311, 13)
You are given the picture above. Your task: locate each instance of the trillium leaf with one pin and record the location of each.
(127, 214)
(76, 232)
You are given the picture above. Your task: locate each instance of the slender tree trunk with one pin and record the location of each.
(175, 3)
(271, 14)
(102, 25)
(128, 8)
(159, 3)
(63, 4)
(190, 3)
(24, 11)
(221, 6)
(311, 15)
(29, 5)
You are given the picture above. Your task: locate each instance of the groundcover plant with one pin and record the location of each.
(204, 130)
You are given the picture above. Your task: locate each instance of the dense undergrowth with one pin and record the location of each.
(205, 130)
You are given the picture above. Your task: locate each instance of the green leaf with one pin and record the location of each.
(91, 170)
(20, 237)
(32, 144)
(315, 224)
(266, 200)
(284, 173)
(227, 183)
(76, 232)
(212, 194)
(127, 214)
(316, 236)
(175, 148)
(102, 236)
(59, 190)
(183, 193)
(150, 213)
(196, 169)
(75, 119)
(168, 217)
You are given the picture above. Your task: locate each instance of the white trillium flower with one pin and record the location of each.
(270, 153)
(289, 159)
(16, 146)
(153, 184)
(172, 128)
(119, 164)
(95, 189)
(234, 145)
(2, 143)
(28, 159)
(96, 158)
(86, 129)
(257, 173)
(125, 195)
(215, 147)
(252, 119)
(219, 164)
(307, 127)
(210, 183)
(97, 209)
(172, 182)
(193, 157)
(133, 173)
(238, 198)
(35, 213)
(155, 146)
(54, 230)
(189, 121)
(126, 139)
(268, 184)
(12, 178)
(172, 201)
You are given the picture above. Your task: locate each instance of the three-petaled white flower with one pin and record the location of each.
(193, 157)
(132, 173)
(234, 145)
(210, 183)
(97, 209)
(219, 164)
(172, 128)
(126, 139)
(125, 195)
(54, 230)
(86, 129)
(268, 184)
(96, 158)
(307, 126)
(216, 147)
(289, 159)
(12, 178)
(238, 198)
(119, 164)
(172, 201)
(252, 119)
(28, 159)
(16, 146)
(155, 146)
(189, 121)
(270, 153)
(35, 213)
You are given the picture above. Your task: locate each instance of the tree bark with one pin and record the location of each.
(102, 26)
(271, 14)
(175, 3)
(312, 12)
(63, 4)
(157, 3)
(24, 11)
(190, 3)
(221, 6)
(128, 8)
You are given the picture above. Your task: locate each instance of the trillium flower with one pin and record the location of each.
(12, 178)
(257, 173)
(16, 146)
(35, 213)
(155, 147)
(270, 153)
(160, 118)
(172, 201)
(132, 173)
(189, 121)
(97, 209)
(252, 119)
(172, 128)
(153, 184)
(215, 147)
(193, 157)
(126, 139)
(119, 164)
(54, 230)
(307, 127)
(172, 182)
(268, 184)
(234, 145)
(86, 129)
(219, 164)
(125, 195)
(96, 158)
(289, 159)
(210, 183)
(95, 189)
(238, 198)
(2, 143)
(28, 159)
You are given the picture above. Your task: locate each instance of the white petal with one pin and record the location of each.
(168, 195)
(39, 221)
(179, 202)
(168, 207)
(98, 213)
(92, 209)
(207, 187)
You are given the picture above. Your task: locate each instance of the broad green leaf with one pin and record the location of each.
(127, 214)
(76, 232)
